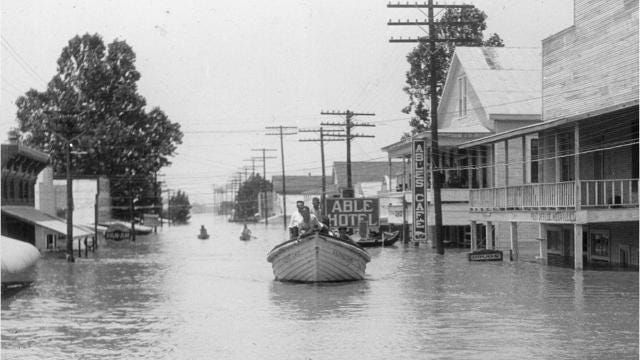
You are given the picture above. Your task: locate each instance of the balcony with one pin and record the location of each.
(556, 196)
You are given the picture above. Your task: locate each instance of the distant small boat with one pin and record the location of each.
(387, 239)
(203, 236)
(245, 237)
(19, 260)
(318, 258)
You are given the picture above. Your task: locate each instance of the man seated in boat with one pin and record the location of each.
(309, 222)
(296, 218)
(203, 231)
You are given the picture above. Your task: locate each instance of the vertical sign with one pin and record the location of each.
(419, 187)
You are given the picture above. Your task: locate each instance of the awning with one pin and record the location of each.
(39, 218)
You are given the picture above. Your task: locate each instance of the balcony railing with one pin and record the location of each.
(593, 193)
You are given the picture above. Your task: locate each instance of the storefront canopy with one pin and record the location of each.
(33, 216)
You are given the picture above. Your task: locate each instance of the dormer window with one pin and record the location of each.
(462, 96)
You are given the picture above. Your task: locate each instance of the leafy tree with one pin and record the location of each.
(419, 59)
(247, 199)
(93, 99)
(179, 208)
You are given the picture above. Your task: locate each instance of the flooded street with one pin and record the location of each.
(172, 296)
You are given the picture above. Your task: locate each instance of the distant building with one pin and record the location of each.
(298, 187)
(21, 220)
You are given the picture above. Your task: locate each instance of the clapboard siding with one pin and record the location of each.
(593, 64)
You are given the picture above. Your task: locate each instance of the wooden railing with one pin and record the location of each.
(593, 193)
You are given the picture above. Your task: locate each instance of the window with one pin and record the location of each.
(51, 241)
(462, 96)
(565, 147)
(600, 244)
(534, 160)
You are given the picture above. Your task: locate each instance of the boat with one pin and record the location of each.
(245, 237)
(387, 239)
(19, 260)
(318, 257)
(203, 236)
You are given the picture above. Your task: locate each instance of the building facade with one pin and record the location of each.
(577, 179)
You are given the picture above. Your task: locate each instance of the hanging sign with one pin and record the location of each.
(418, 171)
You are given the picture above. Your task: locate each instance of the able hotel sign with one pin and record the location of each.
(418, 172)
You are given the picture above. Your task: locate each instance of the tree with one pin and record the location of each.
(247, 200)
(419, 59)
(179, 208)
(94, 97)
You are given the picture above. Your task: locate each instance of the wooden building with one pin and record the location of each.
(487, 91)
(577, 178)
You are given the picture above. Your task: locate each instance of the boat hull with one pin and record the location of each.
(318, 258)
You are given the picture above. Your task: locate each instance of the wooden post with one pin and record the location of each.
(514, 240)
(577, 246)
(489, 235)
(474, 236)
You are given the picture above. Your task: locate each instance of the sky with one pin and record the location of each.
(226, 70)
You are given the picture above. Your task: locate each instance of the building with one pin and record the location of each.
(298, 187)
(21, 220)
(577, 178)
(487, 91)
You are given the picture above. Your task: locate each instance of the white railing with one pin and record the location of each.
(593, 193)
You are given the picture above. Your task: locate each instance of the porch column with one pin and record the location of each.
(514, 240)
(577, 246)
(542, 237)
(576, 168)
(474, 236)
(489, 235)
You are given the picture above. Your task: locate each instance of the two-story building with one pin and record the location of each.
(487, 91)
(577, 178)
(21, 219)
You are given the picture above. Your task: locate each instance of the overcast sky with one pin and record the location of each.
(225, 70)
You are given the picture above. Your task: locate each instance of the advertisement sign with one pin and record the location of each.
(151, 220)
(350, 212)
(418, 171)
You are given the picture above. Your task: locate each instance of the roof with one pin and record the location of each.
(364, 171)
(10, 151)
(507, 80)
(298, 184)
(39, 218)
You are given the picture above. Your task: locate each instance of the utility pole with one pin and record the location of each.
(68, 132)
(322, 132)
(284, 191)
(264, 179)
(432, 40)
(348, 124)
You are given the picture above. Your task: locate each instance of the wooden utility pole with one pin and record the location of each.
(323, 132)
(348, 124)
(284, 190)
(264, 179)
(432, 40)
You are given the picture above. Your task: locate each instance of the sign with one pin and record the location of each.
(350, 213)
(151, 220)
(418, 171)
(486, 255)
(118, 232)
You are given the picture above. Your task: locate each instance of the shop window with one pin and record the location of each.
(600, 242)
(51, 241)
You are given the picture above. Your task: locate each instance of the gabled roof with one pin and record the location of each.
(364, 171)
(298, 184)
(507, 80)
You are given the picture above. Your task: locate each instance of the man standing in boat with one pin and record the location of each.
(315, 210)
(296, 218)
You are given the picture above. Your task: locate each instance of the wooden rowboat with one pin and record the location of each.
(318, 258)
(388, 239)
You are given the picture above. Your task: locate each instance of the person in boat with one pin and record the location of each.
(296, 218)
(309, 222)
(203, 231)
(246, 232)
(315, 208)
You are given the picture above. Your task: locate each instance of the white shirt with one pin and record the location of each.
(296, 219)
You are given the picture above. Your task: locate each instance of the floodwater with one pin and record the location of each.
(172, 296)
